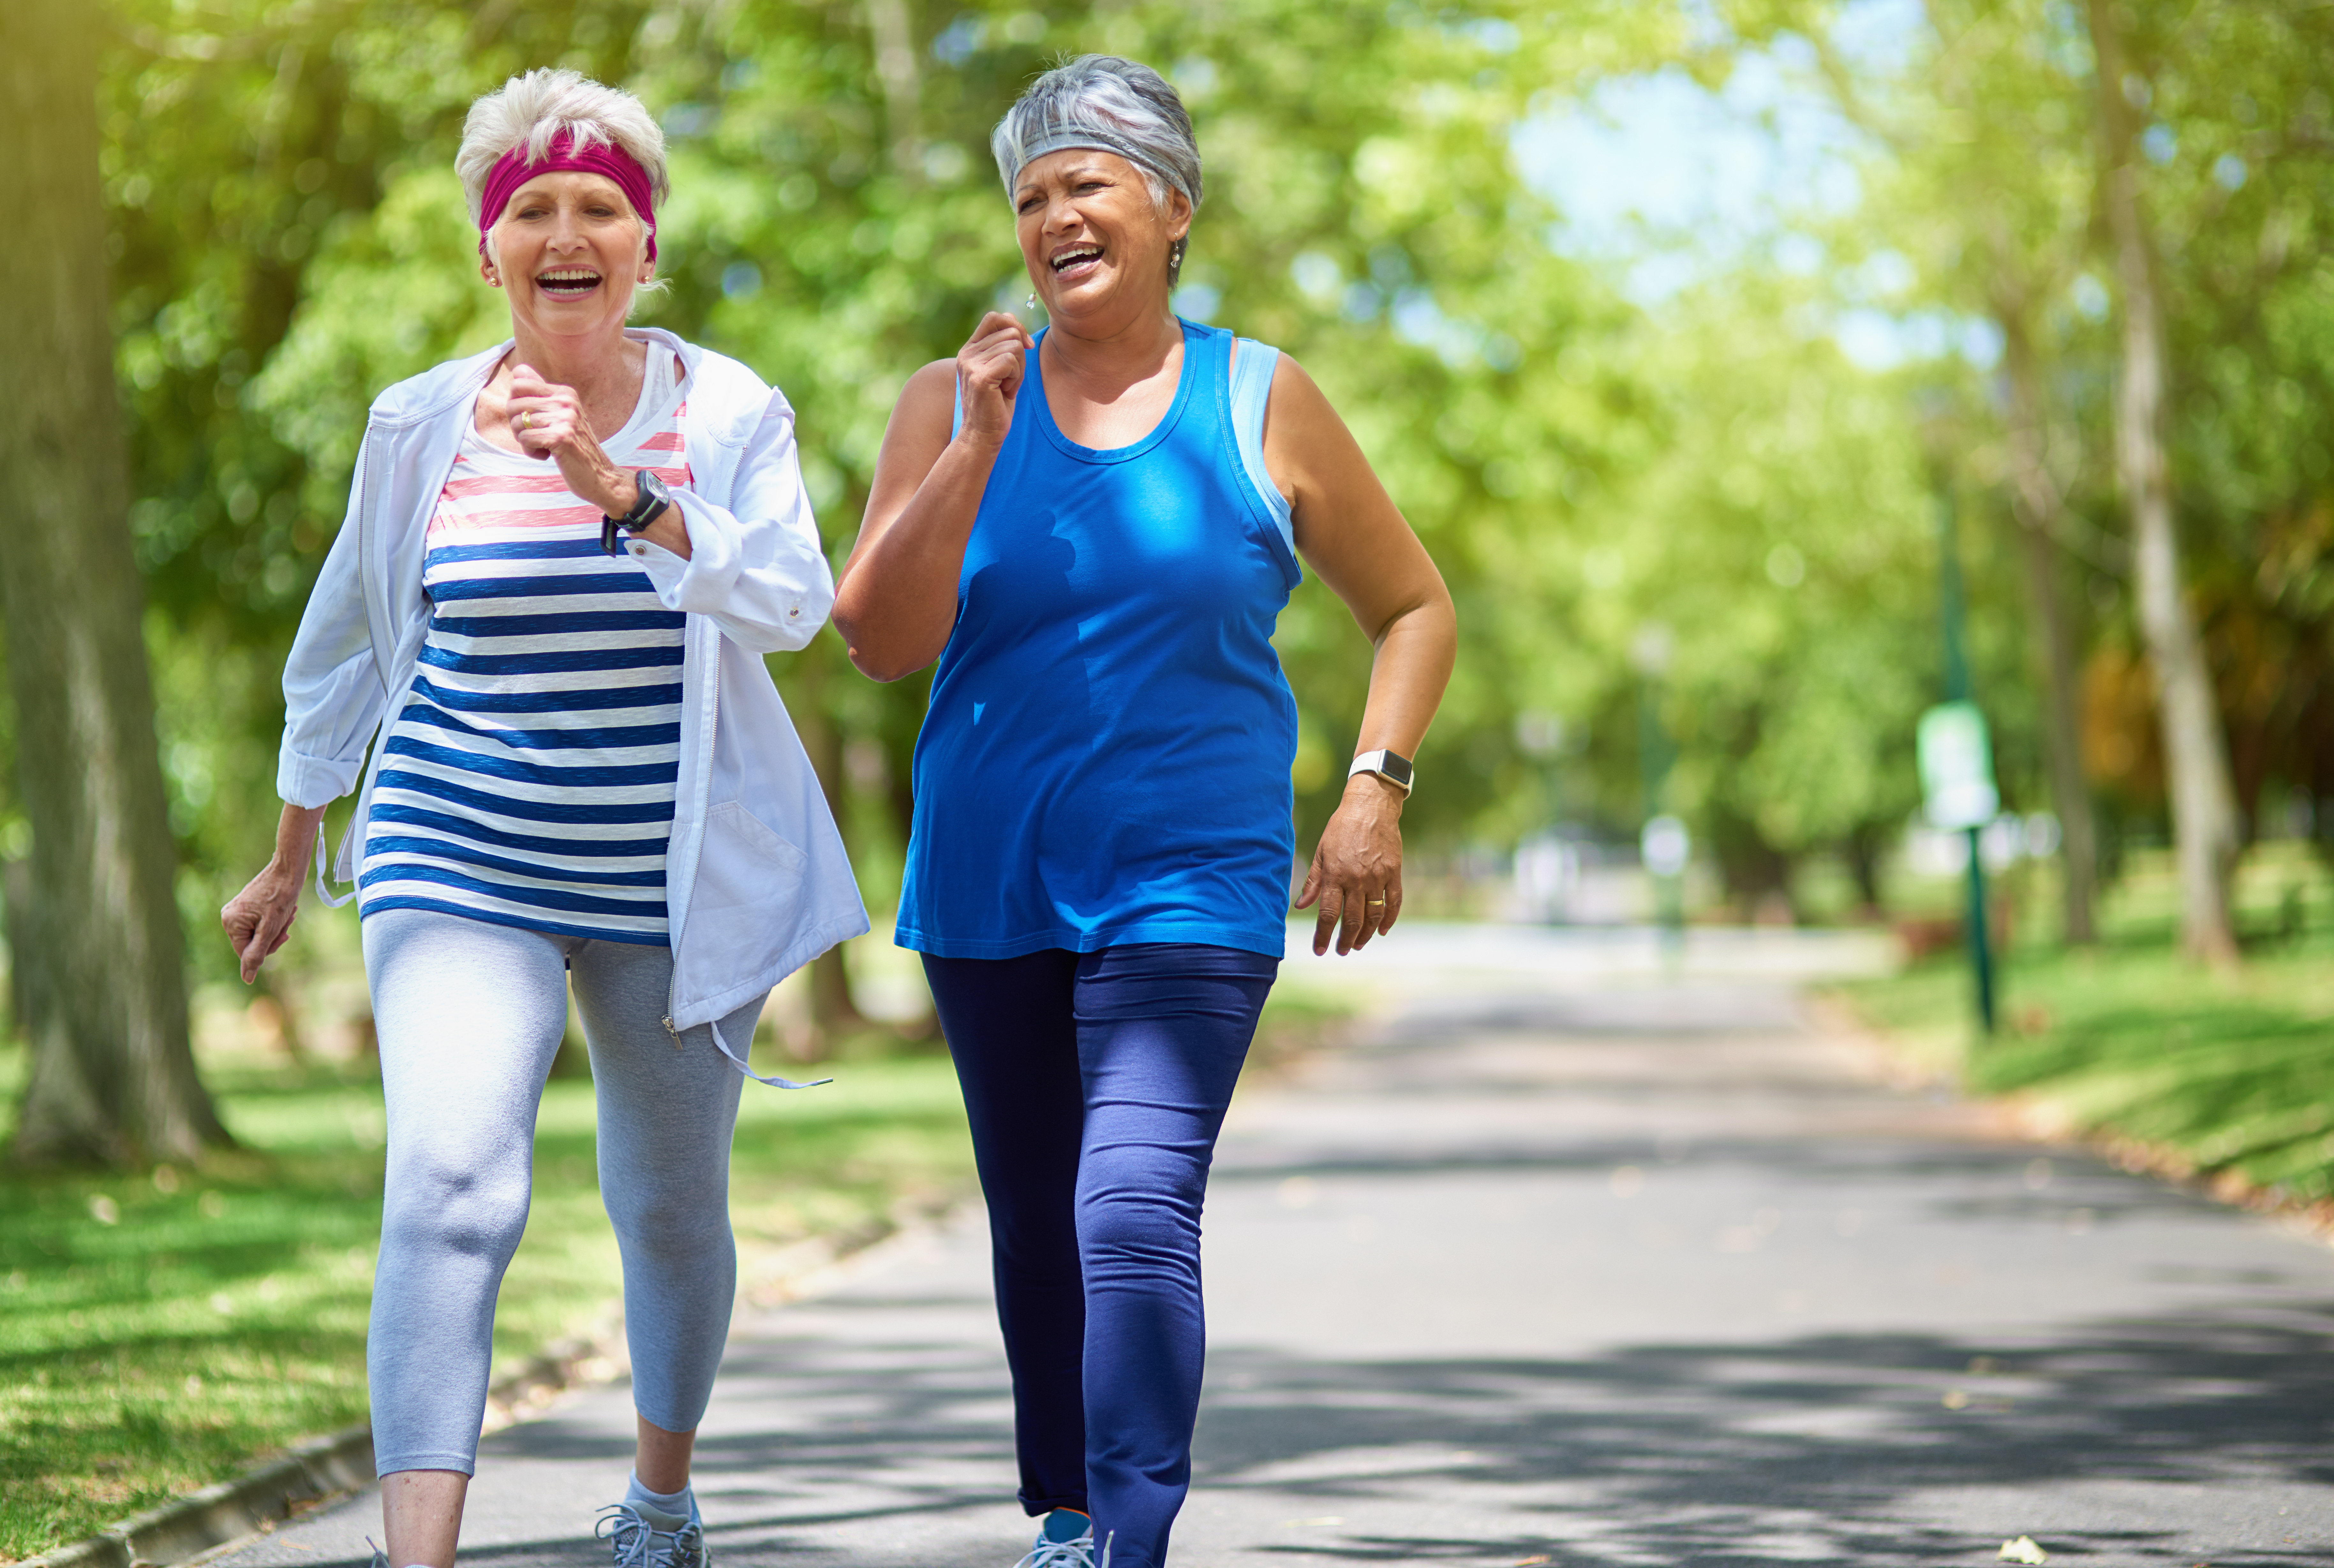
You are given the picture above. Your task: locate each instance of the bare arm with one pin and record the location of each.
(258, 919)
(896, 604)
(1349, 528)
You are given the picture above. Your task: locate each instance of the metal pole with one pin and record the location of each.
(1957, 689)
(1655, 754)
(1980, 941)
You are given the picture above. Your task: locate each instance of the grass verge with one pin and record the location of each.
(2222, 1075)
(161, 1331)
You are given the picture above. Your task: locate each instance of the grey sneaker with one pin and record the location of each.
(641, 1538)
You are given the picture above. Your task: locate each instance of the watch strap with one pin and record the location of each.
(648, 504)
(1389, 766)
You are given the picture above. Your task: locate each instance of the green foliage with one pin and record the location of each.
(1585, 468)
(1984, 175)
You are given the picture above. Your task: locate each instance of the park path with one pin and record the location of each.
(1563, 1263)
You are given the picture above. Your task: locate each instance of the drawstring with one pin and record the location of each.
(737, 1060)
(324, 889)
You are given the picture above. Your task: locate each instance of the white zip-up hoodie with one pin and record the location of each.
(756, 881)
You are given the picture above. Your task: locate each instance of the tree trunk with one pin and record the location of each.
(112, 1078)
(895, 68)
(2195, 751)
(2037, 501)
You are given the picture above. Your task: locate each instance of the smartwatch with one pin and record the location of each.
(649, 505)
(1392, 766)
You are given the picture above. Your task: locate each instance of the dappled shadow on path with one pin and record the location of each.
(1830, 1448)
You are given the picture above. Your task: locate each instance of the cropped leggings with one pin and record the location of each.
(1096, 1083)
(469, 1015)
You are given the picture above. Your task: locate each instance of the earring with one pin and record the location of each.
(1031, 302)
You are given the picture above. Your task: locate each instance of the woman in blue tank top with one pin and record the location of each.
(1093, 532)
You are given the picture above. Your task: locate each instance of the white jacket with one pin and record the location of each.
(756, 881)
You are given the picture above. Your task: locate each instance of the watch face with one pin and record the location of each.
(1396, 768)
(653, 498)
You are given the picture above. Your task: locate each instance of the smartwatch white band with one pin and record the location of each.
(1392, 766)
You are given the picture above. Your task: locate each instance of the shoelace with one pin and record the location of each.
(634, 1540)
(1077, 1553)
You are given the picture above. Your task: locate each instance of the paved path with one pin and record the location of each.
(1556, 1269)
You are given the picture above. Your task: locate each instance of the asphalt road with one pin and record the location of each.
(1564, 1263)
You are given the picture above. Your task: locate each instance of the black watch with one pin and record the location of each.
(646, 509)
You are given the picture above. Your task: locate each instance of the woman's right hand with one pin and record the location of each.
(990, 369)
(259, 918)
(895, 600)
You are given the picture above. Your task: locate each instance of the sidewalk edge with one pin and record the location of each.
(228, 1512)
(2034, 1118)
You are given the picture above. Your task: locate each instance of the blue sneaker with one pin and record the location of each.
(1065, 1540)
(644, 1537)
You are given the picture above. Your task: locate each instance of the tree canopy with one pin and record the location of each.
(1599, 467)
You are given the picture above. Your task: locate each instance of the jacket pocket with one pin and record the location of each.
(750, 884)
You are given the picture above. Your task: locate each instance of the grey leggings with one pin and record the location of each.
(469, 1015)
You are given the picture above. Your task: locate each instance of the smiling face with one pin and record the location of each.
(569, 252)
(1094, 241)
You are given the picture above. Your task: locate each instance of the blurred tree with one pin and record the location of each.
(1782, 537)
(2203, 804)
(1985, 180)
(2236, 127)
(96, 942)
(291, 239)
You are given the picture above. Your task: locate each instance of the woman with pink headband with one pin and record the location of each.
(562, 558)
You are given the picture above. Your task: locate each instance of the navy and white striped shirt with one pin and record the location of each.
(529, 779)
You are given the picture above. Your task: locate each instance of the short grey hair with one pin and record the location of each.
(534, 110)
(1109, 104)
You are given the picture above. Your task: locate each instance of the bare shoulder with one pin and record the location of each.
(937, 374)
(932, 384)
(927, 405)
(1299, 419)
(1297, 403)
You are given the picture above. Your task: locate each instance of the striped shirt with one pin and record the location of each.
(529, 779)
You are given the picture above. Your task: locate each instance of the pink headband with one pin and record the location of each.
(512, 170)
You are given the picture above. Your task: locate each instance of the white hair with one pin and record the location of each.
(533, 110)
(1110, 104)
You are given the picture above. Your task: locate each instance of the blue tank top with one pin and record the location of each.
(1106, 758)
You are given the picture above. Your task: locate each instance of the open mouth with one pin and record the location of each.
(1075, 260)
(568, 282)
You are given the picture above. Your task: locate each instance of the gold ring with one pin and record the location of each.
(1374, 901)
(527, 420)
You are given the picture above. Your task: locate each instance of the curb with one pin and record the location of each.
(2031, 1117)
(228, 1510)
(227, 1513)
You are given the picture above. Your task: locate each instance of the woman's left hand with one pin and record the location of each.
(1356, 873)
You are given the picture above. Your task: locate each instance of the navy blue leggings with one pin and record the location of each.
(1096, 1083)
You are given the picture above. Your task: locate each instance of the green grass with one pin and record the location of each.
(2226, 1072)
(161, 1331)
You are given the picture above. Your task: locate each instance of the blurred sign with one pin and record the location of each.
(1957, 767)
(1665, 846)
